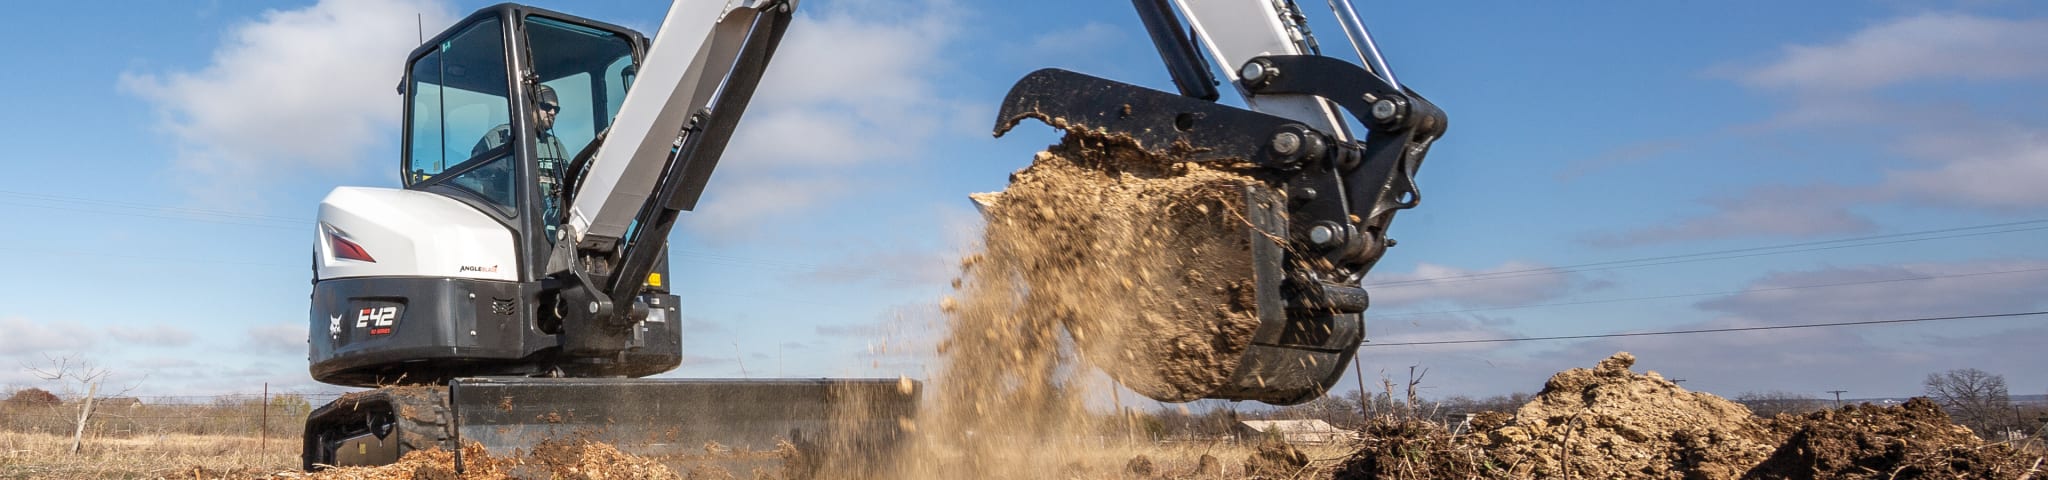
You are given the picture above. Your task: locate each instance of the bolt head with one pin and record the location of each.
(1253, 72)
(1322, 234)
(1286, 143)
(1306, 193)
(593, 307)
(1384, 110)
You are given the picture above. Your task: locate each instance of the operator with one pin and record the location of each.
(547, 148)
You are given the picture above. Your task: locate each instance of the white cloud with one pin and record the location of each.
(1077, 39)
(1513, 283)
(1998, 168)
(25, 336)
(1913, 85)
(1070, 45)
(1923, 47)
(848, 86)
(1949, 289)
(1438, 328)
(1622, 155)
(741, 205)
(295, 90)
(278, 338)
(1767, 210)
(1869, 361)
(897, 268)
(851, 87)
(152, 335)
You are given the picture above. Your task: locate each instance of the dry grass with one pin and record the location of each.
(44, 456)
(171, 456)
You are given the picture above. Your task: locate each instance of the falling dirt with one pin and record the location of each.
(1098, 255)
(1609, 422)
(1145, 262)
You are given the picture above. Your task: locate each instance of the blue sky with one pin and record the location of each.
(169, 157)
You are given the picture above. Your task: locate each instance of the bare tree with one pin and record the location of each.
(1976, 398)
(1770, 404)
(76, 373)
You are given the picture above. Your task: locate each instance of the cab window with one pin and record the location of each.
(589, 69)
(458, 98)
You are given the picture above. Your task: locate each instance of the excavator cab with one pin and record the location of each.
(495, 109)
(504, 141)
(443, 295)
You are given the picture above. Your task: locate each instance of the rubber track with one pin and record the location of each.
(422, 418)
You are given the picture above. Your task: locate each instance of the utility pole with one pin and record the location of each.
(1358, 371)
(1838, 397)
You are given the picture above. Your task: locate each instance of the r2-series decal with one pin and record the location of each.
(378, 320)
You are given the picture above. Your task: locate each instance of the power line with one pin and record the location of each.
(1723, 254)
(1707, 330)
(1733, 292)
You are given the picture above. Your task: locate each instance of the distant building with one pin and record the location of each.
(1298, 432)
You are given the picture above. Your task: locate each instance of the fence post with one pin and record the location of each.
(263, 425)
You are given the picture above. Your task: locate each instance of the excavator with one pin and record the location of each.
(516, 288)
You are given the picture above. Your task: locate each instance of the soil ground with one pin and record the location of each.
(1609, 422)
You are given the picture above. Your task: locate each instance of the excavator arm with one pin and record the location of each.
(1311, 250)
(654, 161)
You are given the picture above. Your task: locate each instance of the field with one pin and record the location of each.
(1602, 422)
(43, 455)
(46, 456)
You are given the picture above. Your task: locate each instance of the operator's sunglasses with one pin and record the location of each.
(550, 108)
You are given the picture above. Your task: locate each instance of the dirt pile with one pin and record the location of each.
(1608, 422)
(1915, 440)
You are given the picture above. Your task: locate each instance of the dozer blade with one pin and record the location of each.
(791, 426)
(848, 424)
(1307, 300)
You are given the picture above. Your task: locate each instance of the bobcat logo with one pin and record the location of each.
(334, 327)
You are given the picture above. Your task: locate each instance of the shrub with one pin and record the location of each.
(33, 397)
